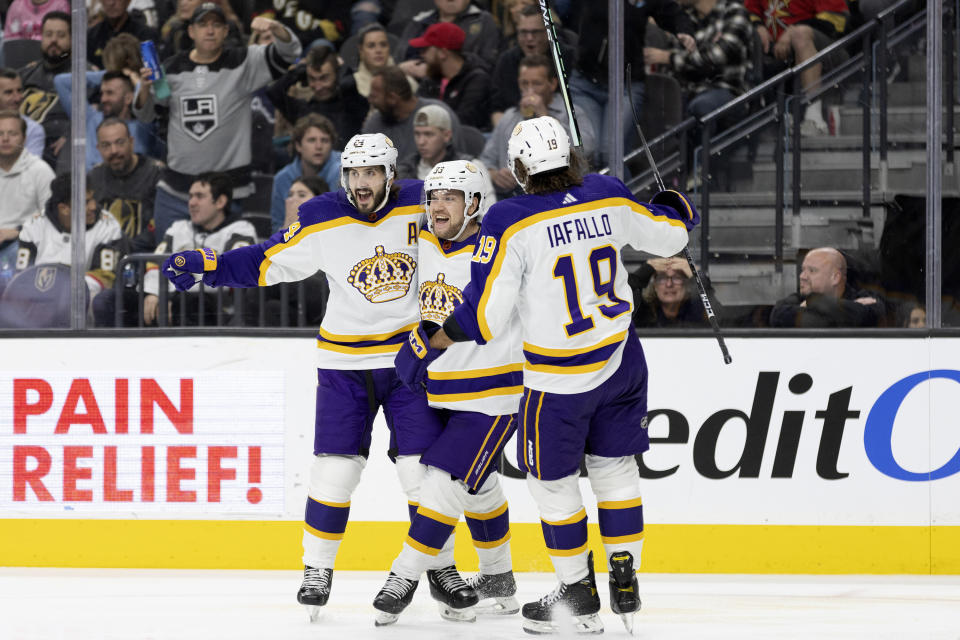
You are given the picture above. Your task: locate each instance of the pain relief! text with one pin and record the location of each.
(119, 455)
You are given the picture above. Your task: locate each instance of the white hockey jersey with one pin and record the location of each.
(469, 377)
(183, 235)
(44, 241)
(555, 258)
(370, 261)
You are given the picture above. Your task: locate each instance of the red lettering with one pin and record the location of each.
(216, 473)
(22, 476)
(110, 491)
(176, 474)
(121, 392)
(22, 408)
(147, 473)
(80, 390)
(72, 473)
(151, 394)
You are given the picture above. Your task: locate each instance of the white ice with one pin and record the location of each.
(108, 604)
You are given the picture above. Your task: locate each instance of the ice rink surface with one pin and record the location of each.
(108, 604)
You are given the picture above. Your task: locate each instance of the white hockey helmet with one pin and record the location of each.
(457, 175)
(369, 150)
(541, 144)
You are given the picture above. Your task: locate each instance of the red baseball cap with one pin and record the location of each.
(445, 35)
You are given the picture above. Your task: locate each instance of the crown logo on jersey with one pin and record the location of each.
(384, 277)
(438, 299)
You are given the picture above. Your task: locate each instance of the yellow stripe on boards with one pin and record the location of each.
(668, 548)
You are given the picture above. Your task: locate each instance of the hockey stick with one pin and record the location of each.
(561, 73)
(704, 298)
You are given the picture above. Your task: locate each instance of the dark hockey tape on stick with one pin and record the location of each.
(561, 73)
(704, 298)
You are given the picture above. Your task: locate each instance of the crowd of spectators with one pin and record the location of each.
(258, 100)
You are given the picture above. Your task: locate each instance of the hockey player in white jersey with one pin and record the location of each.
(45, 238)
(477, 391)
(554, 255)
(364, 238)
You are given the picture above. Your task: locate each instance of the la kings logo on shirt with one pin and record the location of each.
(198, 114)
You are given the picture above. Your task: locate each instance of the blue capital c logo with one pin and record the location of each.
(878, 431)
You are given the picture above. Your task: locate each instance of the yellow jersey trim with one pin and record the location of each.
(324, 226)
(436, 515)
(579, 516)
(322, 534)
(432, 239)
(620, 504)
(566, 353)
(473, 395)
(491, 544)
(338, 337)
(422, 548)
(335, 505)
(474, 373)
(386, 348)
(499, 511)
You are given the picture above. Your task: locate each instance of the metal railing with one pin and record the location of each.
(769, 103)
(230, 305)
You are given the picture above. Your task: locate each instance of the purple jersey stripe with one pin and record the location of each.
(620, 522)
(429, 532)
(325, 518)
(472, 385)
(601, 354)
(565, 537)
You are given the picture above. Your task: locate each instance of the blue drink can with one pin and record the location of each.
(148, 51)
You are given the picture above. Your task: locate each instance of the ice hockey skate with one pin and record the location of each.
(495, 592)
(393, 598)
(315, 590)
(454, 597)
(624, 588)
(570, 608)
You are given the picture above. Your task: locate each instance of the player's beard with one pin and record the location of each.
(371, 204)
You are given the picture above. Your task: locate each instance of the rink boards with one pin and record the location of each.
(804, 456)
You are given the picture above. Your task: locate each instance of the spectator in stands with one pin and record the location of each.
(45, 238)
(116, 20)
(824, 299)
(793, 33)
(327, 21)
(434, 139)
(210, 116)
(210, 225)
(373, 51)
(40, 100)
(531, 40)
(314, 140)
(665, 295)
(116, 100)
(916, 317)
(11, 97)
(483, 35)
(315, 289)
(314, 86)
(539, 97)
(453, 76)
(393, 108)
(175, 32)
(24, 18)
(125, 184)
(24, 182)
(588, 82)
(122, 53)
(507, 16)
(715, 72)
